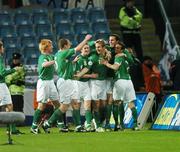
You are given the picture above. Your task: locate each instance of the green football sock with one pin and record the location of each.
(13, 127)
(36, 118)
(97, 118)
(108, 112)
(121, 113)
(115, 113)
(88, 116)
(77, 117)
(55, 116)
(134, 115)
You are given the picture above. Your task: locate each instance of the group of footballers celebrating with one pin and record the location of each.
(98, 76)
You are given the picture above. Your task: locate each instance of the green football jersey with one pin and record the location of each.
(110, 72)
(91, 45)
(96, 67)
(123, 71)
(129, 56)
(3, 71)
(45, 73)
(80, 64)
(64, 65)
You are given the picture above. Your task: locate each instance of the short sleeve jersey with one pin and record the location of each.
(82, 63)
(123, 71)
(96, 67)
(45, 73)
(64, 64)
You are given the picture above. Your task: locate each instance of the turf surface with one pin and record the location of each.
(126, 141)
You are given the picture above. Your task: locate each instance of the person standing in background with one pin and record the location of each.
(16, 84)
(130, 22)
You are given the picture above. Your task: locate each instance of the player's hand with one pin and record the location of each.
(77, 75)
(94, 75)
(88, 37)
(102, 61)
(75, 59)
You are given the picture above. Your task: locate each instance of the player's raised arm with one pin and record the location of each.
(80, 45)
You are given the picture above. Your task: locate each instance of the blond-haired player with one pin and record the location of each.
(46, 89)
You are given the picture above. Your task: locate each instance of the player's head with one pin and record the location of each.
(129, 3)
(45, 46)
(113, 39)
(100, 46)
(85, 50)
(64, 44)
(1, 47)
(119, 47)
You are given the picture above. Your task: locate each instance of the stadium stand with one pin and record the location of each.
(31, 25)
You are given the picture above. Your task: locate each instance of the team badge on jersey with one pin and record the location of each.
(90, 63)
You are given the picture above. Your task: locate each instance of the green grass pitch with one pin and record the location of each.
(124, 141)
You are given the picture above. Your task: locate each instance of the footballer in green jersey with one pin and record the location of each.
(46, 89)
(98, 84)
(5, 97)
(123, 91)
(83, 84)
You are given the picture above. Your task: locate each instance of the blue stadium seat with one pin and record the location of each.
(80, 37)
(7, 30)
(104, 36)
(40, 16)
(11, 42)
(63, 28)
(61, 16)
(101, 27)
(22, 17)
(29, 41)
(32, 61)
(78, 15)
(25, 30)
(5, 17)
(82, 28)
(30, 53)
(96, 15)
(43, 29)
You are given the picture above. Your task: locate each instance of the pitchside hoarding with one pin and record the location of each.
(169, 115)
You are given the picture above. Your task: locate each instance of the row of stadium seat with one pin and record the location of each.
(39, 16)
(49, 29)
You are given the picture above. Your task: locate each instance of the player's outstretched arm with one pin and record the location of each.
(111, 66)
(80, 45)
